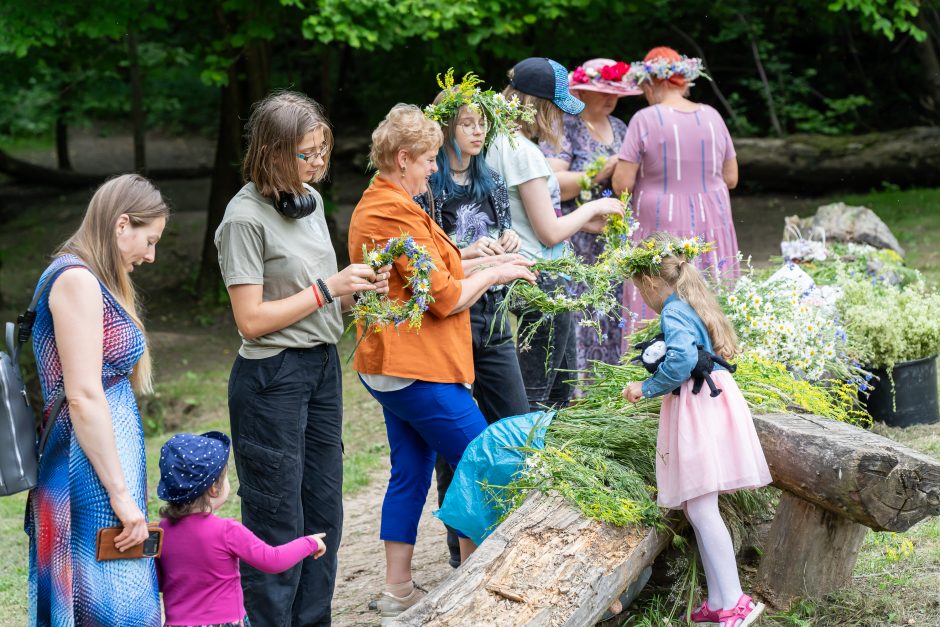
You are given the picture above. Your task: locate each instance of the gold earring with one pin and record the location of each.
(403, 171)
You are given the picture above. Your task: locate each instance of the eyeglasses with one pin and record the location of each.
(319, 154)
(469, 127)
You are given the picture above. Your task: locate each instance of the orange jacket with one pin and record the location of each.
(441, 351)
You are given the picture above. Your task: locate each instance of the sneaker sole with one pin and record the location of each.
(753, 616)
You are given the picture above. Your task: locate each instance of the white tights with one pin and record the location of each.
(714, 544)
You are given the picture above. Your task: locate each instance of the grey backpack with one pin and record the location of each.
(19, 450)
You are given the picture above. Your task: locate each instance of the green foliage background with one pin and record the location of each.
(840, 67)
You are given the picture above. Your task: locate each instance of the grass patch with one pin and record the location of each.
(196, 400)
(914, 218)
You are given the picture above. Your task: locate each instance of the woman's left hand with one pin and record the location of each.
(381, 279)
(510, 241)
(633, 392)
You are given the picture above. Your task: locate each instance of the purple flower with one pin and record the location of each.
(622, 323)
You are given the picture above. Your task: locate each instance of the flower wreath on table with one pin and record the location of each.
(377, 312)
(689, 68)
(502, 115)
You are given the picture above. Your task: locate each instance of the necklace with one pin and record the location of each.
(596, 134)
(464, 171)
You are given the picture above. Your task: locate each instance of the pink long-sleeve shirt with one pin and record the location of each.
(198, 569)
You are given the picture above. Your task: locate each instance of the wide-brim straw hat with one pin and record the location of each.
(597, 83)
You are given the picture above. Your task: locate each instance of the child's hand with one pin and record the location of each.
(633, 392)
(321, 545)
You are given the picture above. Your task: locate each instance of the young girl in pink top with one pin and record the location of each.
(707, 443)
(198, 568)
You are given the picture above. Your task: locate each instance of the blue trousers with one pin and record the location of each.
(422, 419)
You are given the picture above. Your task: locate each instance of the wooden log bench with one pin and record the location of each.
(547, 564)
(838, 481)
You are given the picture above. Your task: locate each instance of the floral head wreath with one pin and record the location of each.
(647, 256)
(664, 69)
(502, 115)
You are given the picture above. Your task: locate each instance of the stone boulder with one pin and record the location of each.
(843, 223)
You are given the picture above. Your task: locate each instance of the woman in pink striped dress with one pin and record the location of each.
(678, 160)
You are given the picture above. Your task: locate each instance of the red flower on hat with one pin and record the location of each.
(579, 75)
(615, 72)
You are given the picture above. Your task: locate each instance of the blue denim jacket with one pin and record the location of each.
(683, 330)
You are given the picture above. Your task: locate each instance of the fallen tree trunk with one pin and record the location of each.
(544, 565)
(547, 564)
(849, 471)
(822, 163)
(26, 172)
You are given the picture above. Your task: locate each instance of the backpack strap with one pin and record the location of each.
(24, 328)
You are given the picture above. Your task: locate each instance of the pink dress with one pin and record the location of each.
(707, 444)
(679, 188)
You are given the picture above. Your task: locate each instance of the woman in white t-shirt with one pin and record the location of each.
(534, 203)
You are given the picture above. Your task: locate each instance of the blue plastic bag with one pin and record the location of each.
(491, 457)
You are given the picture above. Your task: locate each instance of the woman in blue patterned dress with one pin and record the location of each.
(89, 342)
(593, 133)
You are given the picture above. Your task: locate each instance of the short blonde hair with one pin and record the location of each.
(404, 128)
(276, 126)
(547, 126)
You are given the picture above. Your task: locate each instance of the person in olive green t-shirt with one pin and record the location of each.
(285, 390)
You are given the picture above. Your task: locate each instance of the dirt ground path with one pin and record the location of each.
(362, 559)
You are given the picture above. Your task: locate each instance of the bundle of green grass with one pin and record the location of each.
(600, 451)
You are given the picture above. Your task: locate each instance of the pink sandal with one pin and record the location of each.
(704, 616)
(743, 614)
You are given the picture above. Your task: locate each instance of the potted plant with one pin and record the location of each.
(896, 332)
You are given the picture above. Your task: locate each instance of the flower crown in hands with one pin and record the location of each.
(502, 116)
(686, 67)
(619, 229)
(648, 255)
(376, 312)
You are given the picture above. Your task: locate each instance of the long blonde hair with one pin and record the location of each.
(679, 273)
(95, 243)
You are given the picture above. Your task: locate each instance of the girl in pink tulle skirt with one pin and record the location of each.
(706, 444)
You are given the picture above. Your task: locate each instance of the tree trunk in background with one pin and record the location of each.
(137, 104)
(927, 53)
(61, 122)
(768, 94)
(62, 137)
(248, 82)
(817, 164)
(226, 180)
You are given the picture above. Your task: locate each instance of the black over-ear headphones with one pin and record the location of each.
(293, 206)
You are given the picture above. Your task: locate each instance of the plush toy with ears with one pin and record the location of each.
(653, 353)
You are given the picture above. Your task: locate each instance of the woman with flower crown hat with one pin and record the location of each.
(584, 163)
(679, 162)
(470, 202)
